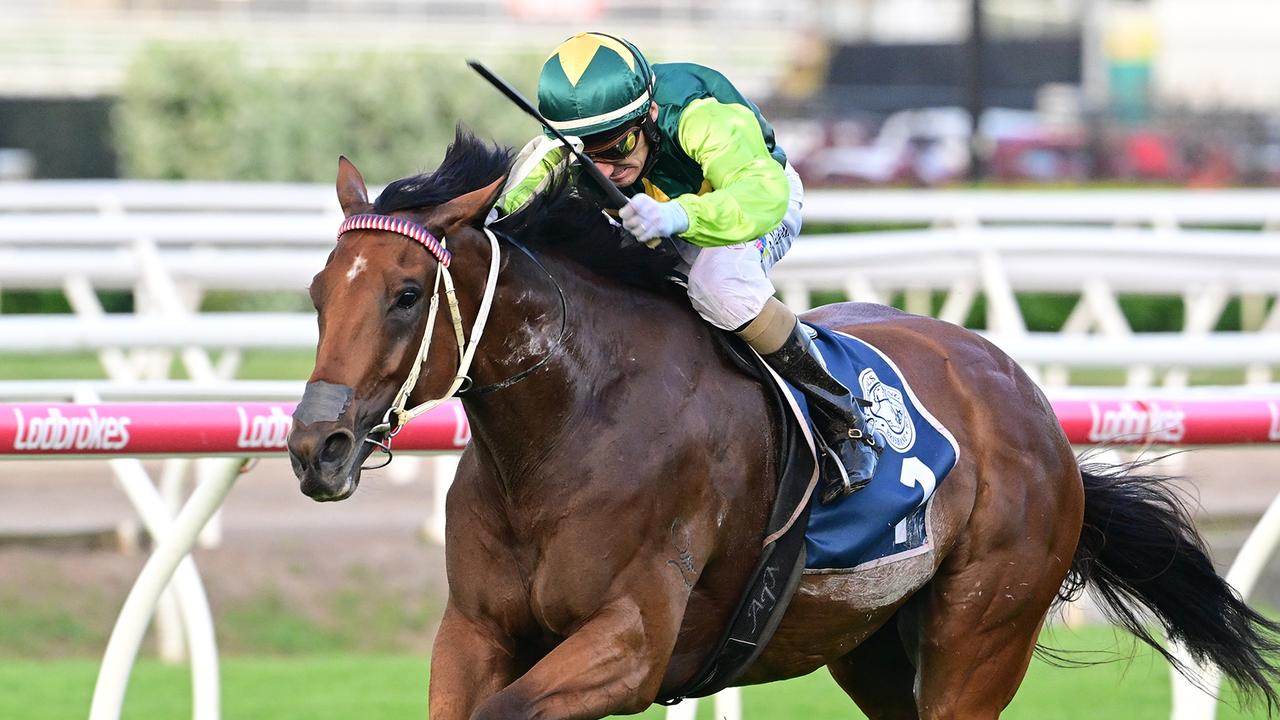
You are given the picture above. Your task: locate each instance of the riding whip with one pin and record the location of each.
(610, 190)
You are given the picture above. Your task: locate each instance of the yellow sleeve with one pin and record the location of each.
(749, 188)
(541, 159)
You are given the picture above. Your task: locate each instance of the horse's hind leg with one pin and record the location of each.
(978, 619)
(879, 676)
(970, 670)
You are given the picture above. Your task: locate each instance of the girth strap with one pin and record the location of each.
(782, 558)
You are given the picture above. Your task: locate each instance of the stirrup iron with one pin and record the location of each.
(836, 489)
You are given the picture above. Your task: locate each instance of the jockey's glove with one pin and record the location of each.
(646, 218)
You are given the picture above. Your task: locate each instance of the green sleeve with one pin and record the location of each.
(749, 188)
(516, 197)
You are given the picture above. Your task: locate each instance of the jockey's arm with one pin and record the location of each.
(538, 162)
(750, 190)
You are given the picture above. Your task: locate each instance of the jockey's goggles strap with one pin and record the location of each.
(466, 351)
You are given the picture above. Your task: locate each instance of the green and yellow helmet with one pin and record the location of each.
(593, 83)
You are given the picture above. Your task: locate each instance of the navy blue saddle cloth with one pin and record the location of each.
(885, 521)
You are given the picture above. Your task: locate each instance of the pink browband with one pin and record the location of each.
(399, 226)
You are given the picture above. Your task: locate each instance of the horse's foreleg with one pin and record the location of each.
(467, 666)
(613, 664)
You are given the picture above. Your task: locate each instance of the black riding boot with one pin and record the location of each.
(853, 449)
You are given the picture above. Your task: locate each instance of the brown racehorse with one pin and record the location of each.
(611, 503)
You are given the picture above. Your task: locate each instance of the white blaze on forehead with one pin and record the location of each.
(357, 267)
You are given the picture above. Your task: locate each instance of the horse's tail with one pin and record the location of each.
(1140, 549)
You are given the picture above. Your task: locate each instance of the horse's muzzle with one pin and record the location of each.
(325, 461)
(322, 446)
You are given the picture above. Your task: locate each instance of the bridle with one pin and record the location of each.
(473, 391)
(397, 416)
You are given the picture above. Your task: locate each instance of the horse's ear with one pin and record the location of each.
(469, 209)
(352, 194)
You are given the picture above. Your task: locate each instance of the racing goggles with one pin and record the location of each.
(615, 149)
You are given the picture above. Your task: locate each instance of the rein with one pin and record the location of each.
(564, 323)
(397, 416)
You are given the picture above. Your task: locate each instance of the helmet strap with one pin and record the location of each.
(654, 137)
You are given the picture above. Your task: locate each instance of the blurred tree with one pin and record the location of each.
(175, 110)
(203, 112)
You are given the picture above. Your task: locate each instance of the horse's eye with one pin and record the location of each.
(408, 298)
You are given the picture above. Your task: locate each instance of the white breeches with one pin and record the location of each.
(729, 285)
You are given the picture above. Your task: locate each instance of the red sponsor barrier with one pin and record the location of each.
(1170, 422)
(260, 428)
(203, 429)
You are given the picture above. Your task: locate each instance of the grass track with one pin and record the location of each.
(386, 687)
(256, 365)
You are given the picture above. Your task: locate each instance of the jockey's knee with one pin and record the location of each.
(726, 311)
(727, 286)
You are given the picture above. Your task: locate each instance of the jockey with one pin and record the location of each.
(700, 166)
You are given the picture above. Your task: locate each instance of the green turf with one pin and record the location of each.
(255, 365)
(378, 687)
(50, 366)
(309, 688)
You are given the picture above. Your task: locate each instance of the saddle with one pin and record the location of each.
(782, 557)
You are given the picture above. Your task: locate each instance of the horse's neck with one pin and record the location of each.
(606, 335)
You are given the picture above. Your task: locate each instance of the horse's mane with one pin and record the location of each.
(469, 164)
(564, 218)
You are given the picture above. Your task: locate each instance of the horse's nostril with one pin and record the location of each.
(337, 447)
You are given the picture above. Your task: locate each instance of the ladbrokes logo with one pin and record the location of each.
(263, 431)
(462, 430)
(1144, 422)
(55, 431)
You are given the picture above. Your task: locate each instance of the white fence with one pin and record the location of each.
(1171, 209)
(173, 242)
(1167, 209)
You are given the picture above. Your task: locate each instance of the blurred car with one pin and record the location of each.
(1042, 158)
(1185, 157)
(1148, 155)
(1258, 157)
(912, 146)
(16, 164)
(928, 146)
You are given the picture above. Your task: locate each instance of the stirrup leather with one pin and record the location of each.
(842, 426)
